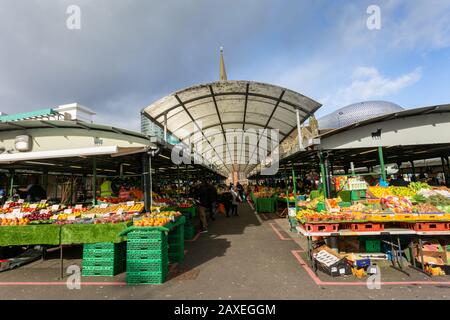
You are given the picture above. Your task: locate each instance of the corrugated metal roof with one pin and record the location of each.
(231, 105)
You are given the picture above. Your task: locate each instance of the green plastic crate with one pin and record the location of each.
(102, 253)
(189, 232)
(146, 277)
(90, 271)
(373, 246)
(148, 265)
(101, 245)
(102, 262)
(147, 254)
(320, 206)
(146, 244)
(345, 204)
(143, 235)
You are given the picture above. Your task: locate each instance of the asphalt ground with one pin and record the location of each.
(253, 256)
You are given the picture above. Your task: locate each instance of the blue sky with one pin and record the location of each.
(128, 54)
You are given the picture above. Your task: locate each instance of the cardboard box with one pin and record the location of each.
(331, 262)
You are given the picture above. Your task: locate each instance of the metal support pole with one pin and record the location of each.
(294, 182)
(323, 174)
(299, 131)
(11, 191)
(444, 171)
(165, 127)
(381, 157)
(146, 182)
(94, 182)
(327, 177)
(151, 182)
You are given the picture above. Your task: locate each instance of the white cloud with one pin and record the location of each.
(368, 83)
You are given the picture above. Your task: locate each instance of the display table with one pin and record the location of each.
(92, 233)
(48, 234)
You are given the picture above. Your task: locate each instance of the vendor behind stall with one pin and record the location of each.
(34, 191)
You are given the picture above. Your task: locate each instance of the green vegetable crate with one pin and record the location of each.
(189, 231)
(147, 257)
(103, 259)
(176, 244)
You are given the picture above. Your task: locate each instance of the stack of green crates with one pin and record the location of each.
(189, 230)
(176, 244)
(103, 259)
(147, 257)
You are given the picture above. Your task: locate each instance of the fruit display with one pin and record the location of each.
(151, 222)
(379, 192)
(15, 222)
(417, 186)
(401, 191)
(397, 204)
(36, 216)
(332, 205)
(111, 200)
(263, 194)
(116, 218)
(185, 205)
(425, 208)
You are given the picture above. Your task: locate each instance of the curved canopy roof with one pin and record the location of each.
(226, 108)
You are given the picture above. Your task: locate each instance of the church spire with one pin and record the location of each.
(223, 72)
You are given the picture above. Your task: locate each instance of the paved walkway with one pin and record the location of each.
(247, 257)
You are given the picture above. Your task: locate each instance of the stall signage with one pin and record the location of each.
(79, 206)
(21, 201)
(130, 203)
(103, 206)
(55, 207)
(43, 201)
(43, 211)
(33, 206)
(67, 211)
(16, 211)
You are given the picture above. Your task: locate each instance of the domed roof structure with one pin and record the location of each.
(357, 112)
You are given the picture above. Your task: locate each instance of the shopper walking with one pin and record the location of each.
(212, 195)
(204, 199)
(235, 202)
(227, 200)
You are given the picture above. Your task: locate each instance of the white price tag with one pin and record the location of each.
(89, 215)
(43, 201)
(21, 201)
(103, 206)
(71, 218)
(33, 206)
(6, 206)
(2, 216)
(79, 206)
(9, 216)
(130, 203)
(43, 211)
(120, 211)
(55, 207)
(16, 211)
(67, 211)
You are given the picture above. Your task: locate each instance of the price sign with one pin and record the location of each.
(89, 215)
(79, 206)
(43, 211)
(55, 207)
(2, 216)
(16, 211)
(6, 206)
(120, 211)
(103, 206)
(67, 211)
(20, 201)
(130, 203)
(43, 201)
(33, 206)
(71, 218)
